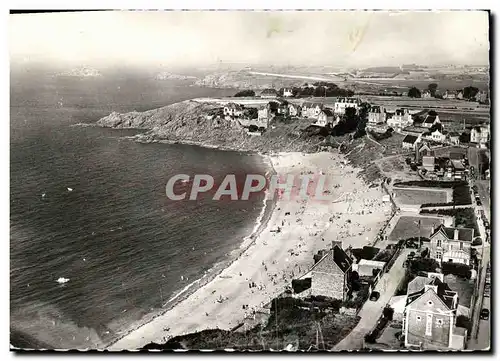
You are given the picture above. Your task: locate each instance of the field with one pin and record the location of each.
(463, 287)
(420, 196)
(407, 227)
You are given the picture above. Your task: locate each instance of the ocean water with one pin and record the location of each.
(124, 246)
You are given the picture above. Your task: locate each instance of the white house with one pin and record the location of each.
(410, 141)
(376, 115)
(426, 94)
(311, 110)
(341, 104)
(293, 110)
(287, 92)
(480, 135)
(401, 118)
(233, 110)
(324, 118)
(430, 120)
(436, 136)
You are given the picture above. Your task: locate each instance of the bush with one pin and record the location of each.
(464, 321)
(388, 313)
(253, 128)
(423, 264)
(461, 194)
(245, 93)
(430, 184)
(457, 269)
(367, 252)
(301, 285)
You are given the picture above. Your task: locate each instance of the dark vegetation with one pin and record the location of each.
(301, 285)
(464, 217)
(457, 269)
(367, 252)
(414, 93)
(292, 321)
(382, 136)
(245, 93)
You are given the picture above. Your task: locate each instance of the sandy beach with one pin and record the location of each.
(275, 258)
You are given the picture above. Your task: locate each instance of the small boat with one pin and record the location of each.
(62, 280)
(43, 195)
(70, 189)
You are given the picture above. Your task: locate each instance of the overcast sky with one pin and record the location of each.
(334, 38)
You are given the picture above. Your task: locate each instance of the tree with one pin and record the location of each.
(470, 92)
(245, 93)
(432, 88)
(414, 93)
(464, 138)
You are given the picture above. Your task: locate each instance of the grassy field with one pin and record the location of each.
(407, 227)
(464, 288)
(420, 196)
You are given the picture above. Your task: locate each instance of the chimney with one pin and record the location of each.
(455, 235)
(432, 230)
(337, 243)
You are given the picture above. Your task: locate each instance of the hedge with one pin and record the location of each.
(430, 184)
(457, 269)
(463, 216)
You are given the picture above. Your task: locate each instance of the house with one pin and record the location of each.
(341, 104)
(435, 136)
(480, 135)
(455, 170)
(430, 120)
(330, 275)
(429, 320)
(410, 142)
(278, 107)
(264, 116)
(233, 110)
(269, 93)
(450, 95)
(376, 115)
(454, 138)
(324, 118)
(481, 97)
(311, 110)
(400, 118)
(293, 110)
(448, 244)
(287, 92)
(460, 94)
(429, 163)
(368, 267)
(426, 94)
(423, 150)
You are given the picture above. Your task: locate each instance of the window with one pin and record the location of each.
(450, 260)
(439, 323)
(461, 246)
(430, 303)
(419, 318)
(438, 243)
(428, 325)
(438, 255)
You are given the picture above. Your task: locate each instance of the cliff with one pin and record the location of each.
(186, 122)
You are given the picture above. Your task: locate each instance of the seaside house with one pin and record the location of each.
(376, 115)
(233, 110)
(481, 97)
(311, 110)
(429, 320)
(450, 94)
(426, 94)
(454, 138)
(341, 104)
(448, 244)
(324, 118)
(293, 110)
(429, 163)
(287, 92)
(401, 118)
(435, 136)
(330, 275)
(480, 135)
(269, 93)
(423, 150)
(264, 116)
(431, 119)
(367, 267)
(410, 141)
(454, 170)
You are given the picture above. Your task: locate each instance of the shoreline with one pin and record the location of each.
(179, 296)
(217, 302)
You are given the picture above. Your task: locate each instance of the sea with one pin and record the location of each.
(88, 205)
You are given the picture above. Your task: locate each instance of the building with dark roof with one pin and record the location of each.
(430, 120)
(376, 115)
(410, 141)
(330, 275)
(429, 320)
(448, 244)
(269, 93)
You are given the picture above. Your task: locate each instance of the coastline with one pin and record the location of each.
(217, 300)
(179, 296)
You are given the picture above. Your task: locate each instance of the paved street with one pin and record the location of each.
(371, 311)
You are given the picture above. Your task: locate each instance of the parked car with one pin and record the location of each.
(485, 314)
(374, 296)
(478, 202)
(411, 255)
(487, 290)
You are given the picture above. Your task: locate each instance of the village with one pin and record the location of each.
(424, 283)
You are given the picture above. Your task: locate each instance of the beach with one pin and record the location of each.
(269, 262)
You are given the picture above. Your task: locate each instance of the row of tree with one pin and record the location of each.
(469, 92)
(318, 89)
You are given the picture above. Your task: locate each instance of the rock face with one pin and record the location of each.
(188, 122)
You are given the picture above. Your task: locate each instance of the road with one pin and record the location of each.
(480, 335)
(483, 189)
(371, 311)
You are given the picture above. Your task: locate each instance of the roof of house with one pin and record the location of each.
(464, 234)
(417, 284)
(430, 119)
(375, 109)
(457, 164)
(372, 263)
(456, 156)
(444, 292)
(328, 112)
(400, 111)
(311, 105)
(410, 139)
(341, 259)
(234, 106)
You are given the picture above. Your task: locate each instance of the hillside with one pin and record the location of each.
(186, 122)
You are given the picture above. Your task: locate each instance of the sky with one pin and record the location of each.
(302, 38)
